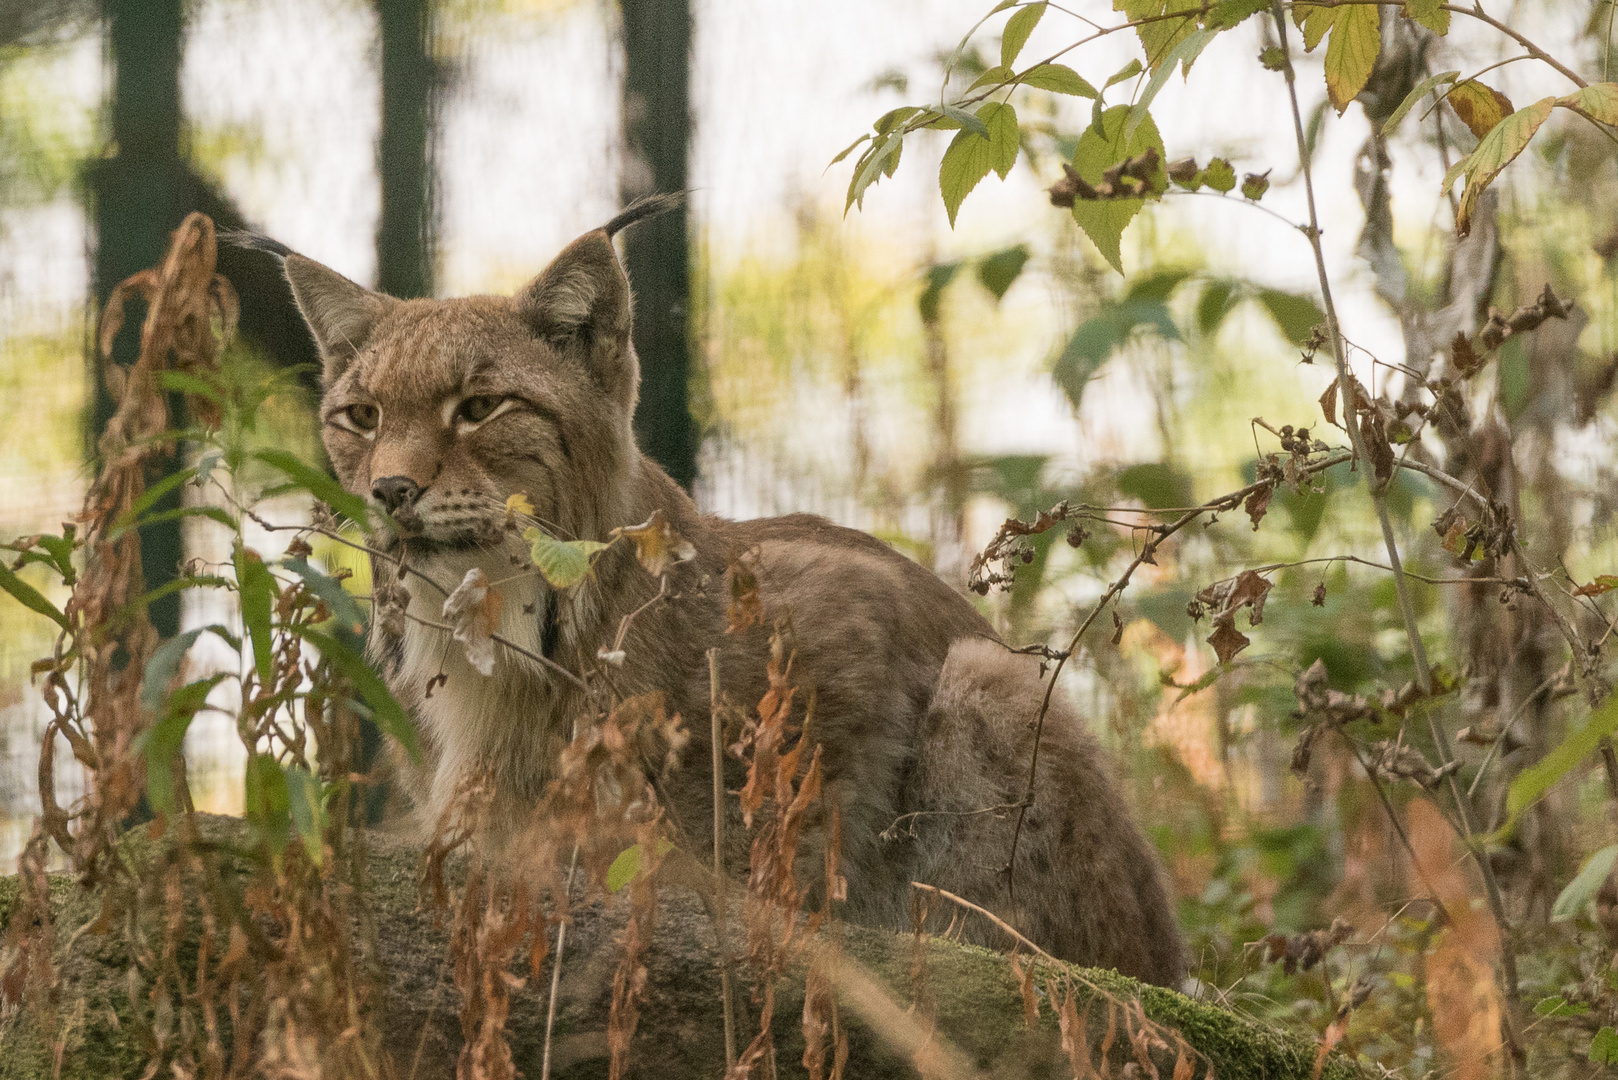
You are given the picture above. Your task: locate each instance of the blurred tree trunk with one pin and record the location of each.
(657, 137)
(138, 196)
(404, 236)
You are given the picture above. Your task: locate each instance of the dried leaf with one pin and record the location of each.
(1258, 504)
(473, 610)
(657, 545)
(1602, 583)
(1226, 640)
(1480, 107)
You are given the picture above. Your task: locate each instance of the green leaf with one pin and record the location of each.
(265, 803)
(968, 121)
(1104, 220)
(154, 493)
(1254, 185)
(1421, 89)
(1099, 337)
(1058, 79)
(1429, 13)
(1128, 71)
(1158, 285)
(1604, 1047)
(1315, 21)
(1018, 27)
(1156, 484)
(343, 606)
(1583, 888)
(1216, 302)
(1186, 52)
(162, 666)
(971, 157)
(306, 804)
(888, 120)
(872, 165)
(386, 711)
(1218, 174)
(626, 867)
(162, 742)
(563, 563)
(997, 74)
(1497, 149)
(1560, 1006)
(318, 484)
(212, 513)
(1598, 102)
(1356, 38)
(939, 275)
(1295, 316)
(184, 382)
(1160, 37)
(849, 149)
(258, 592)
(999, 270)
(1533, 782)
(1229, 13)
(29, 597)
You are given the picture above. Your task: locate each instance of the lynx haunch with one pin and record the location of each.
(440, 409)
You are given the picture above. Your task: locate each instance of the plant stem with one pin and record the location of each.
(1418, 652)
(726, 993)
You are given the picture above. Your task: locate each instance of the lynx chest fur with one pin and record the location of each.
(440, 410)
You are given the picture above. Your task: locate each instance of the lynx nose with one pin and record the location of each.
(395, 491)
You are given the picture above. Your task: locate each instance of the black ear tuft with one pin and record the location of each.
(643, 208)
(244, 238)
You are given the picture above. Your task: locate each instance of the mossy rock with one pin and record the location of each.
(973, 994)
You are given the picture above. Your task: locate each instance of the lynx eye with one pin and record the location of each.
(475, 410)
(362, 417)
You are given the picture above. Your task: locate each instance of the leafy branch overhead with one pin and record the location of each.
(1114, 166)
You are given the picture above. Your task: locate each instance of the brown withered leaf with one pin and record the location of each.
(1480, 107)
(1117, 628)
(657, 545)
(1258, 504)
(1319, 598)
(746, 608)
(1602, 583)
(1251, 590)
(1374, 433)
(1328, 404)
(1226, 640)
(473, 609)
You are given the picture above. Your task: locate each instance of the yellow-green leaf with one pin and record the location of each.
(1533, 782)
(1497, 150)
(1429, 13)
(997, 74)
(1356, 38)
(1422, 88)
(970, 156)
(1160, 37)
(1058, 79)
(1598, 102)
(1018, 27)
(562, 562)
(1480, 107)
(1314, 21)
(1104, 220)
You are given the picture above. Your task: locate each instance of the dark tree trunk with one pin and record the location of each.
(404, 236)
(138, 197)
(657, 137)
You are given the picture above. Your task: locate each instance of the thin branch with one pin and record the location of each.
(1407, 610)
(727, 994)
(987, 914)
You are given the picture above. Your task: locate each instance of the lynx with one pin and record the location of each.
(438, 410)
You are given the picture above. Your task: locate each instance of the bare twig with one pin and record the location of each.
(556, 967)
(987, 914)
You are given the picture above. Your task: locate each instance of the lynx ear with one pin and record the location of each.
(580, 304)
(340, 314)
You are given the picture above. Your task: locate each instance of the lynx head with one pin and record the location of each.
(438, 410)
